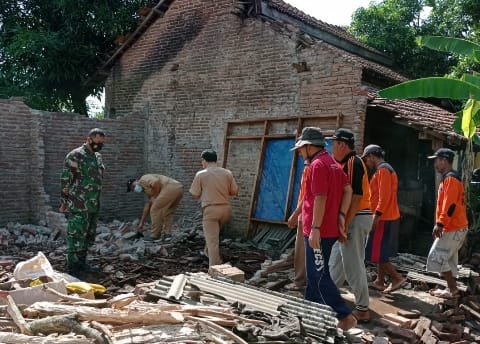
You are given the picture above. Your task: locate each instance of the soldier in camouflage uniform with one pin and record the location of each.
(81, 183)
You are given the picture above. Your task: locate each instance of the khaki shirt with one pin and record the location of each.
(153, 183)
(214, 185)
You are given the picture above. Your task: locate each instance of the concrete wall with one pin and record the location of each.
(200, 66)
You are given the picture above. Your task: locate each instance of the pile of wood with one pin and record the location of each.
(449, 323)
(119, 320)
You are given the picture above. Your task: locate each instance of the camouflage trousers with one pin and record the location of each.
(81, 233)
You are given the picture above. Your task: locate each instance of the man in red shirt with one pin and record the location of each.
(325, 202)
(383, 239)
(451, 224)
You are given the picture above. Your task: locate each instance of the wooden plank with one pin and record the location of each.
(17, 316)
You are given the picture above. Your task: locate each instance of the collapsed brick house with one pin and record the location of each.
(243, 78)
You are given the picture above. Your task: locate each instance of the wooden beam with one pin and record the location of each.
(17, 316)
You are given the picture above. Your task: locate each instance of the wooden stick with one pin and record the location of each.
(15, 338)
(17, 316)
(77, 300)
(220, 329)
(107, 334)
(215, 339)
(106, 315)
(470, 310)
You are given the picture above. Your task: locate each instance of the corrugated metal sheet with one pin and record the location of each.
(318, 320)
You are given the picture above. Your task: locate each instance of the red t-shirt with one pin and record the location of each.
(325, 177)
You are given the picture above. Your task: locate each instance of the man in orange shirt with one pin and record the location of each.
(295, 221)
(383, 239)
(451, 224)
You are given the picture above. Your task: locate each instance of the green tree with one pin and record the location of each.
(465, 88)
(49, 48)
(393, 25)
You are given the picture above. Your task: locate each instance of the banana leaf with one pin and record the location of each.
(434, 87)
(468, 124)
(451, 45)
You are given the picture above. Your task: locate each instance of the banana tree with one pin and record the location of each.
(465, 88)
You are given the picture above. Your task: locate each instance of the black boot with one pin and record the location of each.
(76, 271)
(86, 267)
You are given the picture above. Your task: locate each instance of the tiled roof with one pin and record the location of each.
(419, 115)
(338, 31)
(281, 7)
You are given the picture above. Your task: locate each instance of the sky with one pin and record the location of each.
(337, 12)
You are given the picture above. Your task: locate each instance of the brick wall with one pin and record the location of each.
(33, 145)
(18, 162)
(200, 66)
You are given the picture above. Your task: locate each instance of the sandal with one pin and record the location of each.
(444, 293)
(392, 287)
(376, 286)
(293, 287)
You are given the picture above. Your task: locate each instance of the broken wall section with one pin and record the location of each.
(33, 146)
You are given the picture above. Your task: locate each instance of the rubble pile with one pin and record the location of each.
(160, 292)
(410, 314)
(124, 259)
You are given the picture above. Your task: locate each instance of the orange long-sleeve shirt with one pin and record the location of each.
(302, 184)
(451, 209)
(383, 193)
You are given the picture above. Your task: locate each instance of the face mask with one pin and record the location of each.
(138, 188)
(96, 147)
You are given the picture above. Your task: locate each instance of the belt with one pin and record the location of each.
(364, 212)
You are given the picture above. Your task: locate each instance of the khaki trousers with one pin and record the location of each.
(214, 217)
(163, 208)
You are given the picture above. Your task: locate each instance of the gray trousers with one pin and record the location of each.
(347, 260)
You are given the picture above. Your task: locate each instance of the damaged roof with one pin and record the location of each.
(281, 13)
(335, 30)
(376, 66)
(419, 115)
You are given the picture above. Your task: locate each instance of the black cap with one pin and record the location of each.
(129, 183)
(209, 155)
(310, 136)
(96, 131)
(373, 149)
(345, 135)
(445, 153)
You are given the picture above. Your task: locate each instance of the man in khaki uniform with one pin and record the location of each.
(213, 186)
(164, 195)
